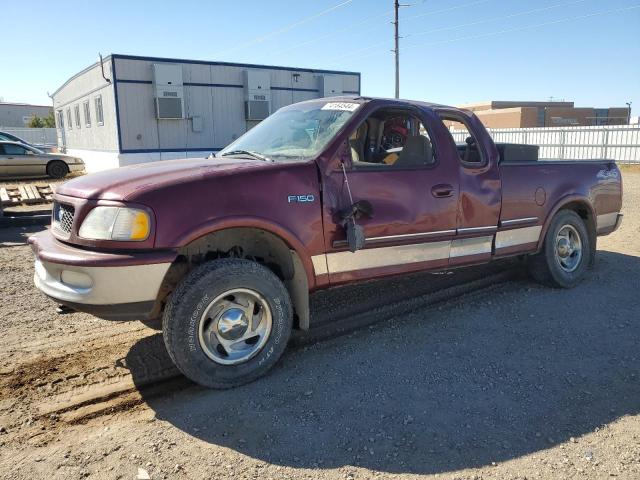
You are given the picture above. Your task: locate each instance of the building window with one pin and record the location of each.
(76, 111)
(99, 114)
(69, 123)
(87, 113)
(541, 115)
(601, 116)
(60, 120)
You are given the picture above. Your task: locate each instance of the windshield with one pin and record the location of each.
(297, 132)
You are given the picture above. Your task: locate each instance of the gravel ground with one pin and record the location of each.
(517, 381)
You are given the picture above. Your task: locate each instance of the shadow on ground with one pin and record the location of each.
(16, 236)
(445, 388)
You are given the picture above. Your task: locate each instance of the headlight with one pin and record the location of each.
(116, 223)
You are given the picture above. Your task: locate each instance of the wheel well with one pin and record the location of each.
(586, 214)
(249, 243)
(55, 160)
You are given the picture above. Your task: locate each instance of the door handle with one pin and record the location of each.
(442, 191)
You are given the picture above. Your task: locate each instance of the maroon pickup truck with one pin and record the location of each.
(322, 193)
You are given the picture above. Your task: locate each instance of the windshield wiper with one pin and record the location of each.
(249, 153)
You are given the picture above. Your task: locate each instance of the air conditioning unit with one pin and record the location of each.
(257, 94)
(168, 91)
(330, 85)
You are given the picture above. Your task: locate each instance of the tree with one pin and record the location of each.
(49, 120)
(42, 122)
(36, 122)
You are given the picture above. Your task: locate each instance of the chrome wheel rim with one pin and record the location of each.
(235, 326)
(568, 249)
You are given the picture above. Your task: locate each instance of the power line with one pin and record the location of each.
(286, 28)
(493, 19)
(378, 44)
(463, 25)
(448, 9)
(510, 30)
(528, 27)
(333, 32)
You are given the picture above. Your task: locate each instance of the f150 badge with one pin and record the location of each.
(301, 198)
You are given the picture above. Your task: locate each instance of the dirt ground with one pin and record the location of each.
(505, 380)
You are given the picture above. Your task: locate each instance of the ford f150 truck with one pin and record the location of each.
(322, 193)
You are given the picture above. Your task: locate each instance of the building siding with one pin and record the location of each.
(86, 86)
(213, 91)
(18, 115)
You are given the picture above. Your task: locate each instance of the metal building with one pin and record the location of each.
(129, 109)
(20, 114)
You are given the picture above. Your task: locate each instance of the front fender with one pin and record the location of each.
(287, 236)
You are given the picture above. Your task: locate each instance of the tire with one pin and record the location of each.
(57, 169)
(188, 329)
(549, 266)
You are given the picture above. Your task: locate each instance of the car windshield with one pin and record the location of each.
(296, 132)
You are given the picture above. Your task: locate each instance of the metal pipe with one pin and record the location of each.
(102, 68)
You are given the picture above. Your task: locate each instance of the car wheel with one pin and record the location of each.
(566, 252)
(227, 323)
(57, 169)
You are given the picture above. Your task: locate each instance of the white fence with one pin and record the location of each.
(35, 136)
(620, 142)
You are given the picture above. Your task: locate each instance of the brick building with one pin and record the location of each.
(514, 114)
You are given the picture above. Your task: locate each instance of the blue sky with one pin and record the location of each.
(453, 51)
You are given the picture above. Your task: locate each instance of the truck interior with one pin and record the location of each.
(468, 149)
(391, 138)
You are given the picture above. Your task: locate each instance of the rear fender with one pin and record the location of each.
(578, 203)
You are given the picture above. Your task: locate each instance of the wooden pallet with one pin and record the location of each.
(27, 194)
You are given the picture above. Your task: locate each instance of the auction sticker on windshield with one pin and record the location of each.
(342, 106)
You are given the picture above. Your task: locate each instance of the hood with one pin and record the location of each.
(126, 182)
(63, 156)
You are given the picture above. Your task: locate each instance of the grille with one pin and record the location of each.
(63, 217)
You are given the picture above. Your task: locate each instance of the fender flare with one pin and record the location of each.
(559, 205)
(284, 234)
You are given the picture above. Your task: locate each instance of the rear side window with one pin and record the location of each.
(10, 149)
(465, 140)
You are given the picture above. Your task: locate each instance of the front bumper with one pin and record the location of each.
(76, 167)
(108, 285)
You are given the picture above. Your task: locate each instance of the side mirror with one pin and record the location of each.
(355, 233)
(361, 208)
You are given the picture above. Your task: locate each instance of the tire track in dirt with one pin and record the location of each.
(103, 377)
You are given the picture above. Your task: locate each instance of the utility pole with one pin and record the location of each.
(628, 113)
(396, 7)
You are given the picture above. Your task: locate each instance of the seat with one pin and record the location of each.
(417, 152)
(357, 143)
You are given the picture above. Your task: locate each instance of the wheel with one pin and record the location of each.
(566, 252)
(227, 323)
(57, 169)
